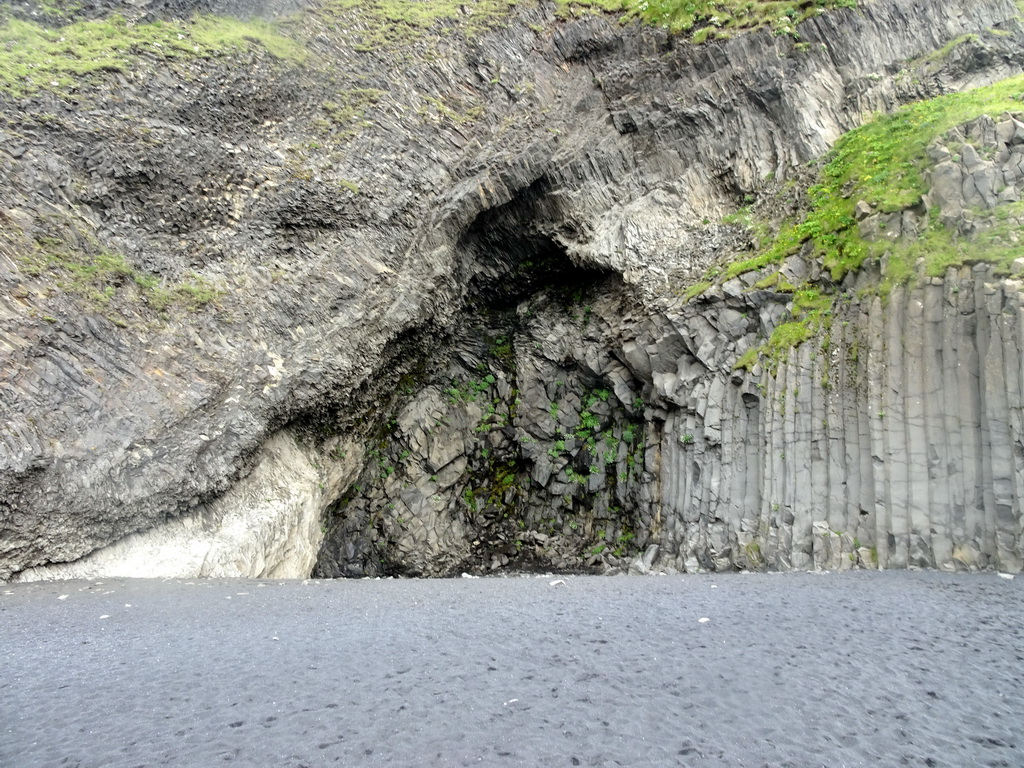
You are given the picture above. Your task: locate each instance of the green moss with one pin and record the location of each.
(696, 289)
(350, 185)
(99, 276)
(345, 113)
(388, 24)
(748, 359)
(34, 58)
(437, 108)
(708, 19)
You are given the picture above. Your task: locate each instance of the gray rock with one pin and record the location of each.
(514, 210)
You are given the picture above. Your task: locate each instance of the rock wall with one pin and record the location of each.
(894, 443)
(351, 262)
(576, 434)
(268, 525)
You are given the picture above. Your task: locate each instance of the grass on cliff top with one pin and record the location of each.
(387, 24)
(883, 163)
(33, 57)
(709, 19)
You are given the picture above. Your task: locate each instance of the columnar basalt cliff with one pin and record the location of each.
(361, 300)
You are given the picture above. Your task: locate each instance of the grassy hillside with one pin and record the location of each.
(884, 165)
(35, 57)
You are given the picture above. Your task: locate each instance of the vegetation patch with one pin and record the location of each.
(99, 276)
(33, 57)
(812, 309)
(709, 20)
(437, 109)
(345, 114)
(696, 289)
(388, 24)
(882, 163)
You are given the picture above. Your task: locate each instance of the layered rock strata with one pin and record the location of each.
(553, 185)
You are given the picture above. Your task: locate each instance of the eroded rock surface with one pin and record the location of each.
(512, 219)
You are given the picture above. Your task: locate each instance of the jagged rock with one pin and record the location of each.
(528, 227)
(267, 526)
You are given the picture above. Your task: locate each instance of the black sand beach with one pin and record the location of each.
(858, 669)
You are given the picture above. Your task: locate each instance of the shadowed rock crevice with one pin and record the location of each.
(516, 250)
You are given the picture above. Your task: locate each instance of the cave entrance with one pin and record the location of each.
(515, 251)
(500, 456)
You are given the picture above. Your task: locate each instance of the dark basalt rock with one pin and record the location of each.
(513, 218)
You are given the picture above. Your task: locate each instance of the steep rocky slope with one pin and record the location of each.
(429, 297)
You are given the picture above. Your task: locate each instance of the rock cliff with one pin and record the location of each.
(454, 295)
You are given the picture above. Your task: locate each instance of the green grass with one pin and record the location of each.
(57, 9)
(882, 163)
(787, 240)
(812, 309)
(387, 24)
(708, 20)
(696, 289)
(34, 58)
(98, 277)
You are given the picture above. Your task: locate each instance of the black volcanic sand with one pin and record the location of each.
(859, 669)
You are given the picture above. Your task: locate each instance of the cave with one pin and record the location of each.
(515, 251)
(463, 492)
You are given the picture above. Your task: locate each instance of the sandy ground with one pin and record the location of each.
(859, 669)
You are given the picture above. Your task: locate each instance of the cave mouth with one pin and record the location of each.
(468, 468)
(514, 251)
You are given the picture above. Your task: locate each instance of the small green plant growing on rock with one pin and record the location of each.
(589, 422)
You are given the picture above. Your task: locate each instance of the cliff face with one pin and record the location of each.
(891, 443)
(438, 317)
